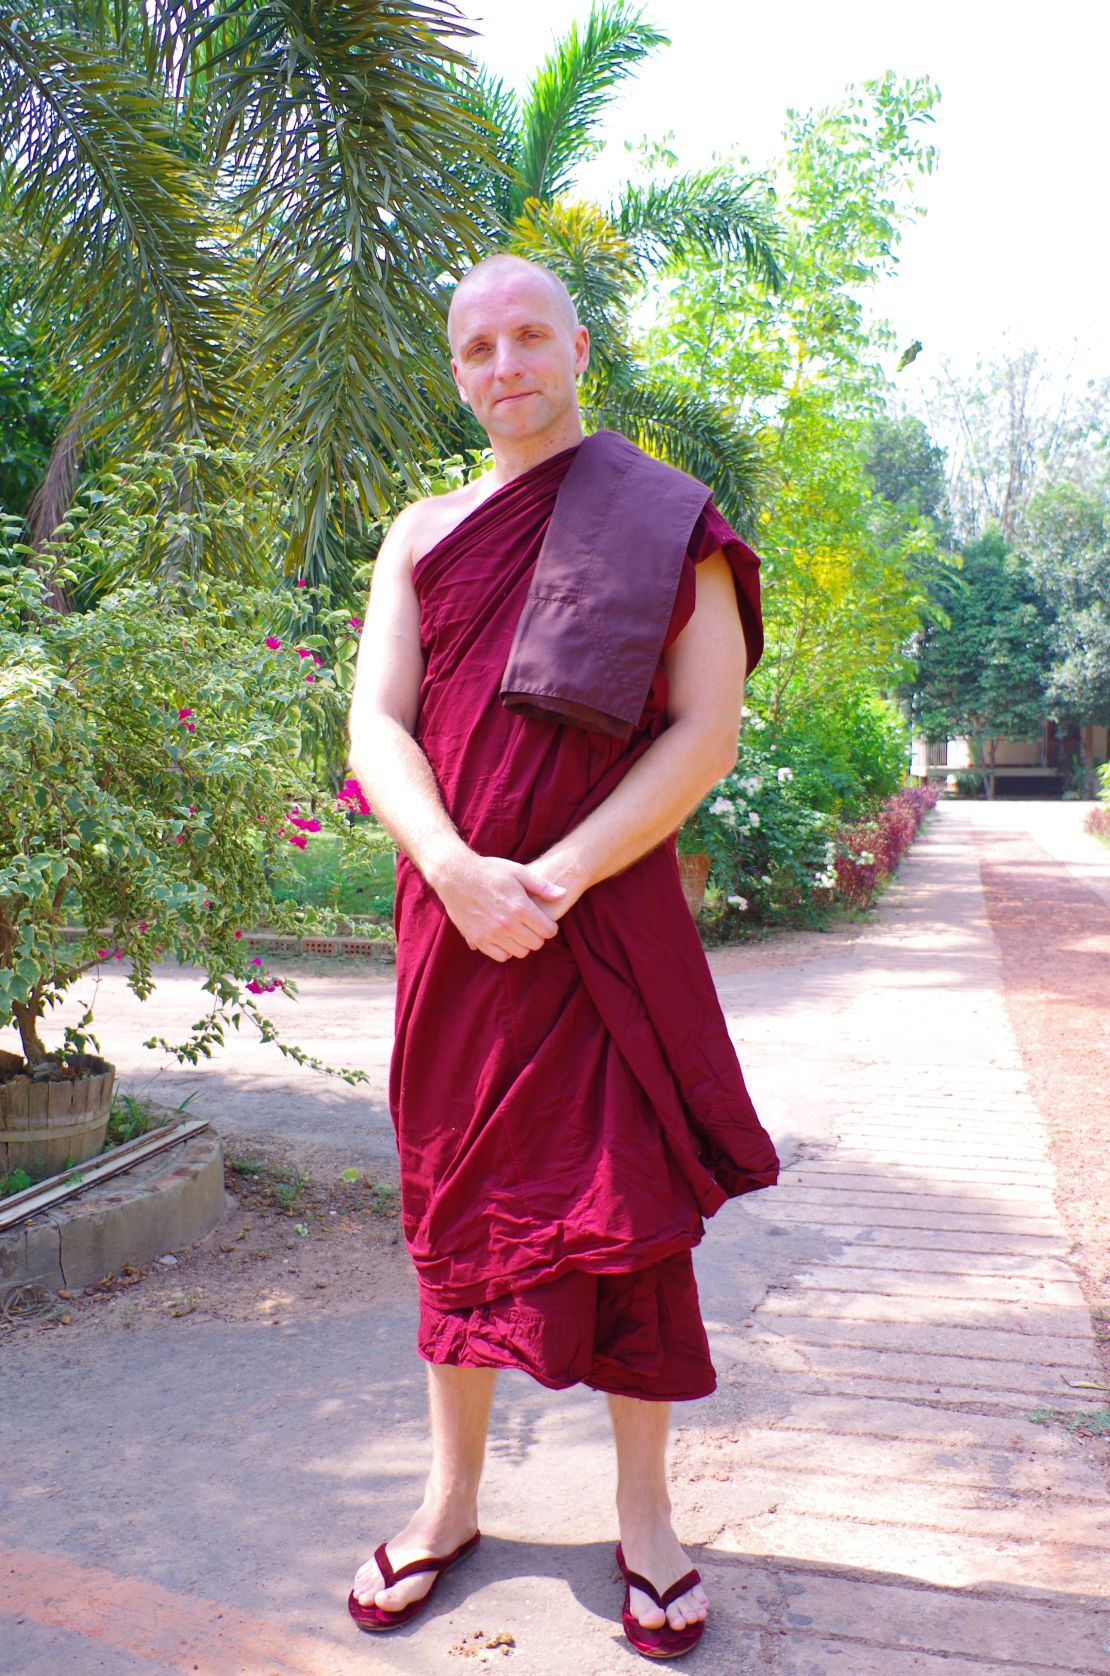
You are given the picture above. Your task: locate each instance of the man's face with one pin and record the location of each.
(517, 355)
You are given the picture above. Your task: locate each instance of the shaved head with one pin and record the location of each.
(503, 266)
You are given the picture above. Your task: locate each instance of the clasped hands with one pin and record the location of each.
(503, 909)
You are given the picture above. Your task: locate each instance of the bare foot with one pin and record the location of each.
(431, 1533)
(652, 1548)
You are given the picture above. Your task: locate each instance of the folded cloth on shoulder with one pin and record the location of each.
(589, 638)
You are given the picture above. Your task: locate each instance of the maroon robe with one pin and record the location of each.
(581, 1108)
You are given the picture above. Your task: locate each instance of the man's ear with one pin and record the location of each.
(581, 351)
(458, 386)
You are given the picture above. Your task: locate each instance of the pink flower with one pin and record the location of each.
(355, 623)
(183, 718)
(192, 811)
(305, 825)
(310, 676)
(190, 727)
(102, 954)
(299, 839)
(303, 652)
(301, 583)
(317, 659)
(254, 986)
(118, 955)
(143, 926)
(351, 797)
(238, 933)
(180, 839)
(257, 961)
(273, 643)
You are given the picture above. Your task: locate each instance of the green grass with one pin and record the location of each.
(1089, 1422)
(127, 1119)
(285, 1182)
(364, 889)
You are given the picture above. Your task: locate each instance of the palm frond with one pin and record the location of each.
(492, 178)
(134, 263)
(687, 432)
(711, 212)
(566, 99)
(581, 245)
(336, 123)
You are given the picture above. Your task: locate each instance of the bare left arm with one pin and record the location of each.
(706, 668)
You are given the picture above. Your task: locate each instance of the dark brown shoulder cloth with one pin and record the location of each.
(591, 632)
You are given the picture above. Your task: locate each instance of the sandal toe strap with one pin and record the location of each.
(635, 1581)
(682, 1587)
(413, 1569)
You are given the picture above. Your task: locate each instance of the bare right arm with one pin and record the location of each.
(494, 903)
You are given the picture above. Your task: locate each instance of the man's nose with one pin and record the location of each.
(506, 360)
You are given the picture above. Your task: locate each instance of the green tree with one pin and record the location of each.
(1065, 542)
(845, 572)
(982, 675)
(905, 465)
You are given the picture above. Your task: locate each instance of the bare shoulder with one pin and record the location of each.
(425, 523)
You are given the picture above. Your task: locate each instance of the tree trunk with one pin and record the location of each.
(27, 1019)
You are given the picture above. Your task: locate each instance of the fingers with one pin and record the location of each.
(492, 904)
(508, 946)
(546, 890)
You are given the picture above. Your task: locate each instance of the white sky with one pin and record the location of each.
(1015, 244)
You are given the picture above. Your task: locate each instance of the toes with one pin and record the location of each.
(688, 1609)
(368, 1580)
(645, 1611)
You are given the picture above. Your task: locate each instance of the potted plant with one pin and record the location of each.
(154, 794)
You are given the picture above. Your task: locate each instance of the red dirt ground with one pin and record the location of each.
(1054, 938)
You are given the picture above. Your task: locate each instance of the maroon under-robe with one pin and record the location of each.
(581, 1108)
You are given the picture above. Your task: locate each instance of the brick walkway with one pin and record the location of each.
(904, 1513)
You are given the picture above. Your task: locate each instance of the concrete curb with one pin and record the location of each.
(164, 1203)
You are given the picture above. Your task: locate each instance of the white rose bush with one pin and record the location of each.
(776, 854)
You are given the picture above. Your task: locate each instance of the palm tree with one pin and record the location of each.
(226, 202)
(606, 254)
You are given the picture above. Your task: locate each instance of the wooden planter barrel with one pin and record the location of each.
(46, 1126)
(693, 870)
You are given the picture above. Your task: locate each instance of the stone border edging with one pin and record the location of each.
(164, 1203)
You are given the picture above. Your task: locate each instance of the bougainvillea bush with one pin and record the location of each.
(154, 788)
(869, 851)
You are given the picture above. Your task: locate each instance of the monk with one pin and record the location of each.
(567, 1103)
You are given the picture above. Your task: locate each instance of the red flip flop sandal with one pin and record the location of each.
(376, 1618)
(664, 1642)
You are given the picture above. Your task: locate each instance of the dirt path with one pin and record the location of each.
(1054, 936)
(200, 1456)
